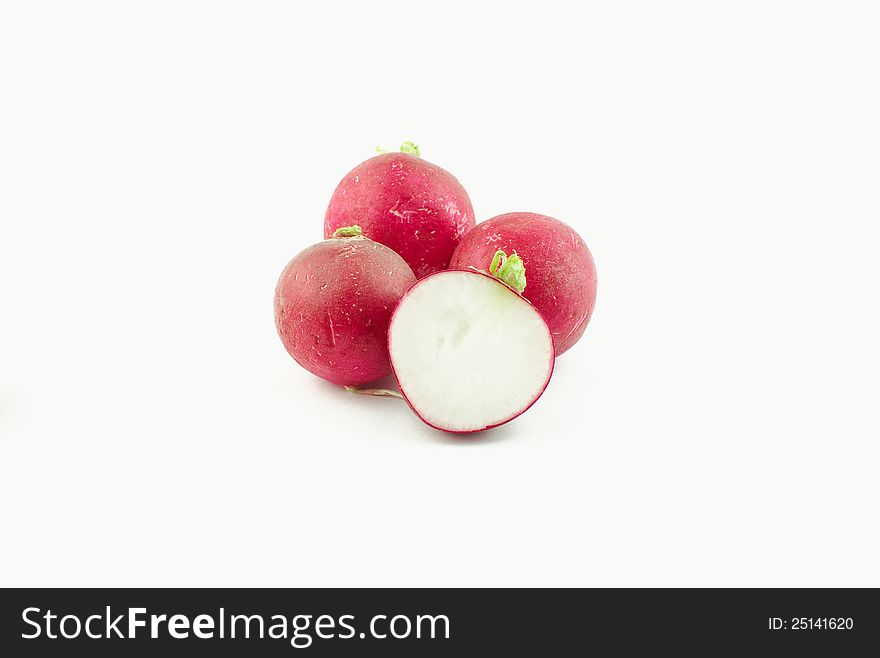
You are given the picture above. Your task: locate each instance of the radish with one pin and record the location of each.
(418, 209)
(562, 275)
(332, 306)
(468, 352)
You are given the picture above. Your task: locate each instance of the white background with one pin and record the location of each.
(717, 425)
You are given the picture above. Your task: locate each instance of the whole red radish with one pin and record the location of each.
(333, 303)
(418, 209)
(561, 273)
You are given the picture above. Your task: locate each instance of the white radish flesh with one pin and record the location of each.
(468, 352)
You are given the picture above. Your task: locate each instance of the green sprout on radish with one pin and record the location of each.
(410, 148)
(509, 270)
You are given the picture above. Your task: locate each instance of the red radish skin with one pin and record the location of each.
(561, 275)
(333, 303)
(520, 411)
(418, 209)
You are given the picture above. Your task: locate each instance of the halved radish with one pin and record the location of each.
(469, 353)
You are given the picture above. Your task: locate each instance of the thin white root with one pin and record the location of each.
(377, 392)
